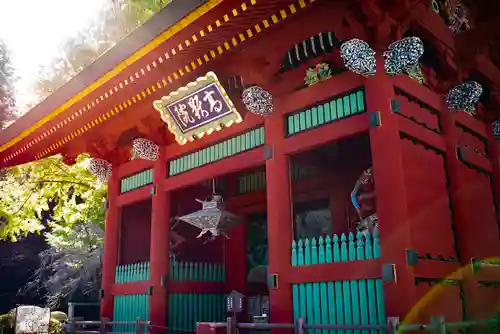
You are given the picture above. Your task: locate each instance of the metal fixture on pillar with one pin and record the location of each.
(212, 217)
(464, 97)
(258, 101)
(358, 57)
(403, 56)
(145, 149)
(496, 129)
(101, 169)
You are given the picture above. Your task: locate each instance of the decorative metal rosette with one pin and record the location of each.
(358, 57)
(258, 101)
(496, 129)
(403, 55)
(101, 169)
(464, 97)
(145, 149)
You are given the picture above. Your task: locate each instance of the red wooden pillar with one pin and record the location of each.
(235, 248)
(160, 243)
(279, 220)
(111, 246)
(388, 169)
(494, 153)
(466, 233)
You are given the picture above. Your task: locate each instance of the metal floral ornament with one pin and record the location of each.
(403, 56)
(258, 101)
(496, 129)
(358, 57)
(464, 97)
(145, 149)
(101, 169)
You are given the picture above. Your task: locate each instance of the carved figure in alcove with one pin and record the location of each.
(363, 200)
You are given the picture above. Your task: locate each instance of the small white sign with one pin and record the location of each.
(32, 319)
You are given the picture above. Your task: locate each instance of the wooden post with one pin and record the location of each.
(139, 326)
(236, 249)
(160, 243)
(104, 325)
(390, 190)
(279, 220)
(111, 244)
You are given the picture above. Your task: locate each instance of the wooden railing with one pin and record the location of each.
(79, 326)
(132, 273)
(197, 271)
(328, 249)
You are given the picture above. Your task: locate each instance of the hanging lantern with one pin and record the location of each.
(257, 100)
(212, 218)
(403, 55)
(464, 97)
(496, 129)
(145, 149)
(358, 57)
(101, 169)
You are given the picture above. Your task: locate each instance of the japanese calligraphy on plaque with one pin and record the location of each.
(199, 108)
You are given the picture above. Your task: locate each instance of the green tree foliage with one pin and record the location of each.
(115, 21)
(49, 196)
(66, 205)
(6, 81)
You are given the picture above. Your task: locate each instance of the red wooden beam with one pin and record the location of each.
(471, 157)
(438, 269)
(136, 195)
(233, 164)
(132, 167)
(337, 271)
(195, 287)
(420, 92)
(131, 288)
(322, 91)
(419, 132)
(471, 123)
(250, 121)
(327, 133)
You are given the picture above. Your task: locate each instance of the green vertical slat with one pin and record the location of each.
(330, 286)
(379, 289)
(360, 97)
(353, 103)
(302, 121)
(323, 285)
(363, 302)
(252, 139)
(333, 110)
(248, 141)
(340, 108)
(316, 306)
(294, 253)
(236, 145)
(376, 245)
(321, 115)
(308, 119)
(290, 123)
(346, 105)
(242, 143)
(339, 302)
(314, 115)
(296, 123)
(326, 109)
(314, 251)
(370, 289)
(346, 291)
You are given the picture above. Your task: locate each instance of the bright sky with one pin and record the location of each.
(35, 31)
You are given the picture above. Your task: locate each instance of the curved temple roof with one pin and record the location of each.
(156, 59)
